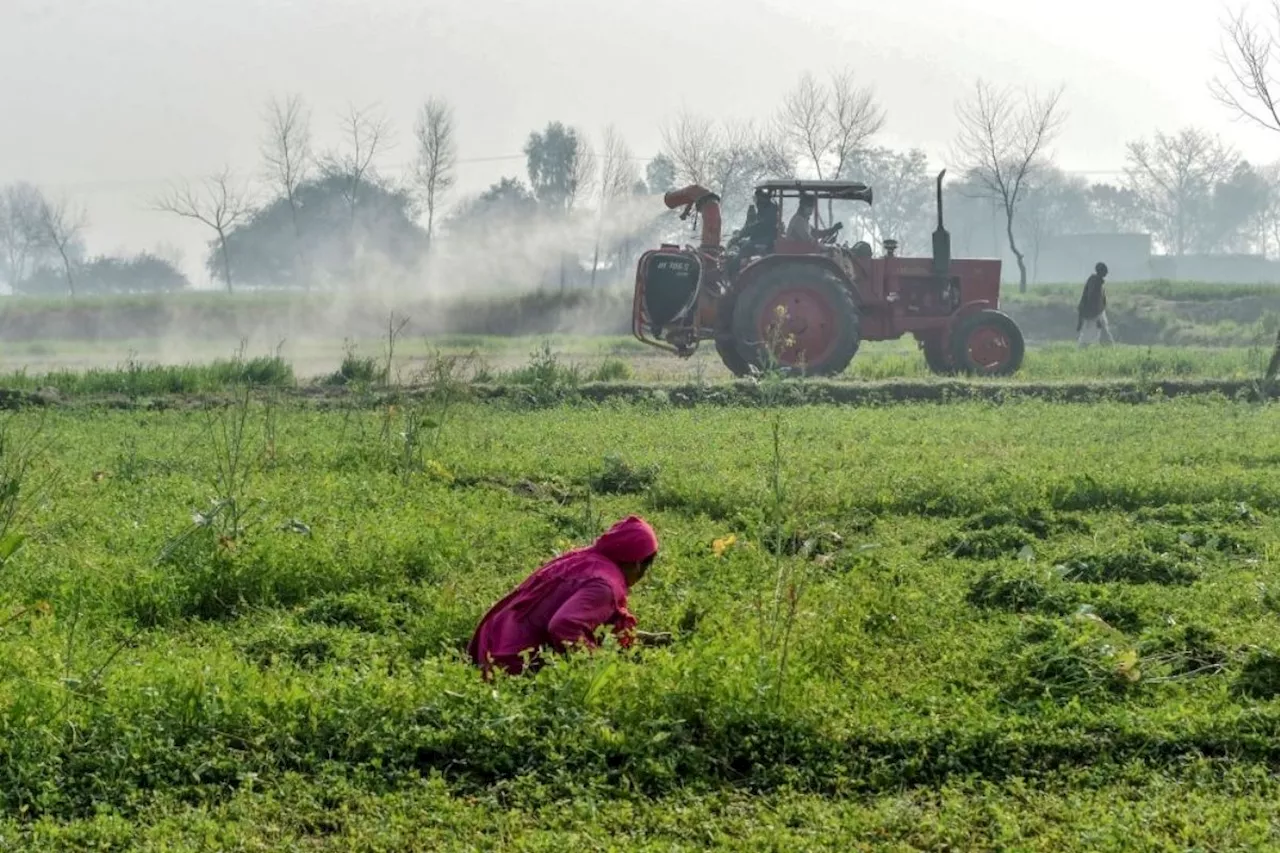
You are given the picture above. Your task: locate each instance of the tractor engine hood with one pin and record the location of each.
(706, 203)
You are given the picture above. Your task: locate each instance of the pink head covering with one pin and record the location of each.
(631, 540)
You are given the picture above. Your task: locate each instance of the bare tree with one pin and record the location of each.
(22, 239)
(62, 224)
(287, 153)
(618, 174)
(217, 205)
(1173, 178)
(287, 150)
(806, 120)
(1001, 147)
(437, 162)
(692, 143)
(582, 173)
(855, 118)
(366, 133)
(826, 124)
(1248, 88)
(726, 158)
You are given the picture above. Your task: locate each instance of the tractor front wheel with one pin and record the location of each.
(797, 318)
(987, 343)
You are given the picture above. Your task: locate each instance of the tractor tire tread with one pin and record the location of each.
(968, 324)
(747, 304)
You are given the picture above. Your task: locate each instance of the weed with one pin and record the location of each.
(231, 438)
(22, 482)
(1213, 513)
(990, 544)
(611, 370)
(354, 368)
(1136, 567)
(395, 328)
(790, 577)
(1020, 589)
(546, 378)
(1036, 521)
(616, 476)
(1077, 657)
(363, 611)
(1184, 651)
(1259, 676)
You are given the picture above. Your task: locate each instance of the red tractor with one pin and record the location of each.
(804, 306)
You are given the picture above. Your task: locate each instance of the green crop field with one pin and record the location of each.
(238, 624)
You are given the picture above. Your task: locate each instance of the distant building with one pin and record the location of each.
(1070, 257)
(1224, 269)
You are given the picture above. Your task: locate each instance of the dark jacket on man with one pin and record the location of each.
(1093, 301)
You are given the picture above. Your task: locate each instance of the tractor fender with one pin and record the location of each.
(750, 273)
(970, 308)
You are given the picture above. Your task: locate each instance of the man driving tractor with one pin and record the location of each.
(800, 228)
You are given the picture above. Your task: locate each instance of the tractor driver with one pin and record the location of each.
(799, 227)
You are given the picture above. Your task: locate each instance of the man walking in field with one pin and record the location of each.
(1091, 320)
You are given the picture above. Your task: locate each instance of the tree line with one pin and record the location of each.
(325, 218)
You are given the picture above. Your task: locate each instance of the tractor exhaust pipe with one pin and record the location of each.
(706, 203)
(941, 239)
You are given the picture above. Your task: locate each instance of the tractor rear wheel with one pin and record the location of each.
(937, 356)
(726, 347)
(797, 318)
(987, 343)
(732, 359)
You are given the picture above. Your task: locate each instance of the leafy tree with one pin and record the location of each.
(904, 196)
(506, 202)
(660, 175)
(1115, 210)
(382, 230)
(558, 160)
(1238, 203)
(142, 273)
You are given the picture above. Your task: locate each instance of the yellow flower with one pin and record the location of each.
(721, 545)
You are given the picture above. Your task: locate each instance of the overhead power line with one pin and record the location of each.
(139, 183)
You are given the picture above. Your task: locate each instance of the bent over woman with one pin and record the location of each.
(567, 600)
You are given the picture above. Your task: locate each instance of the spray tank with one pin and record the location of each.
(669, 280)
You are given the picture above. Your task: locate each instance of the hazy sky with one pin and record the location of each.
(111, 99)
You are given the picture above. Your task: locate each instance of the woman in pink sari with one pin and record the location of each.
(567, 600)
